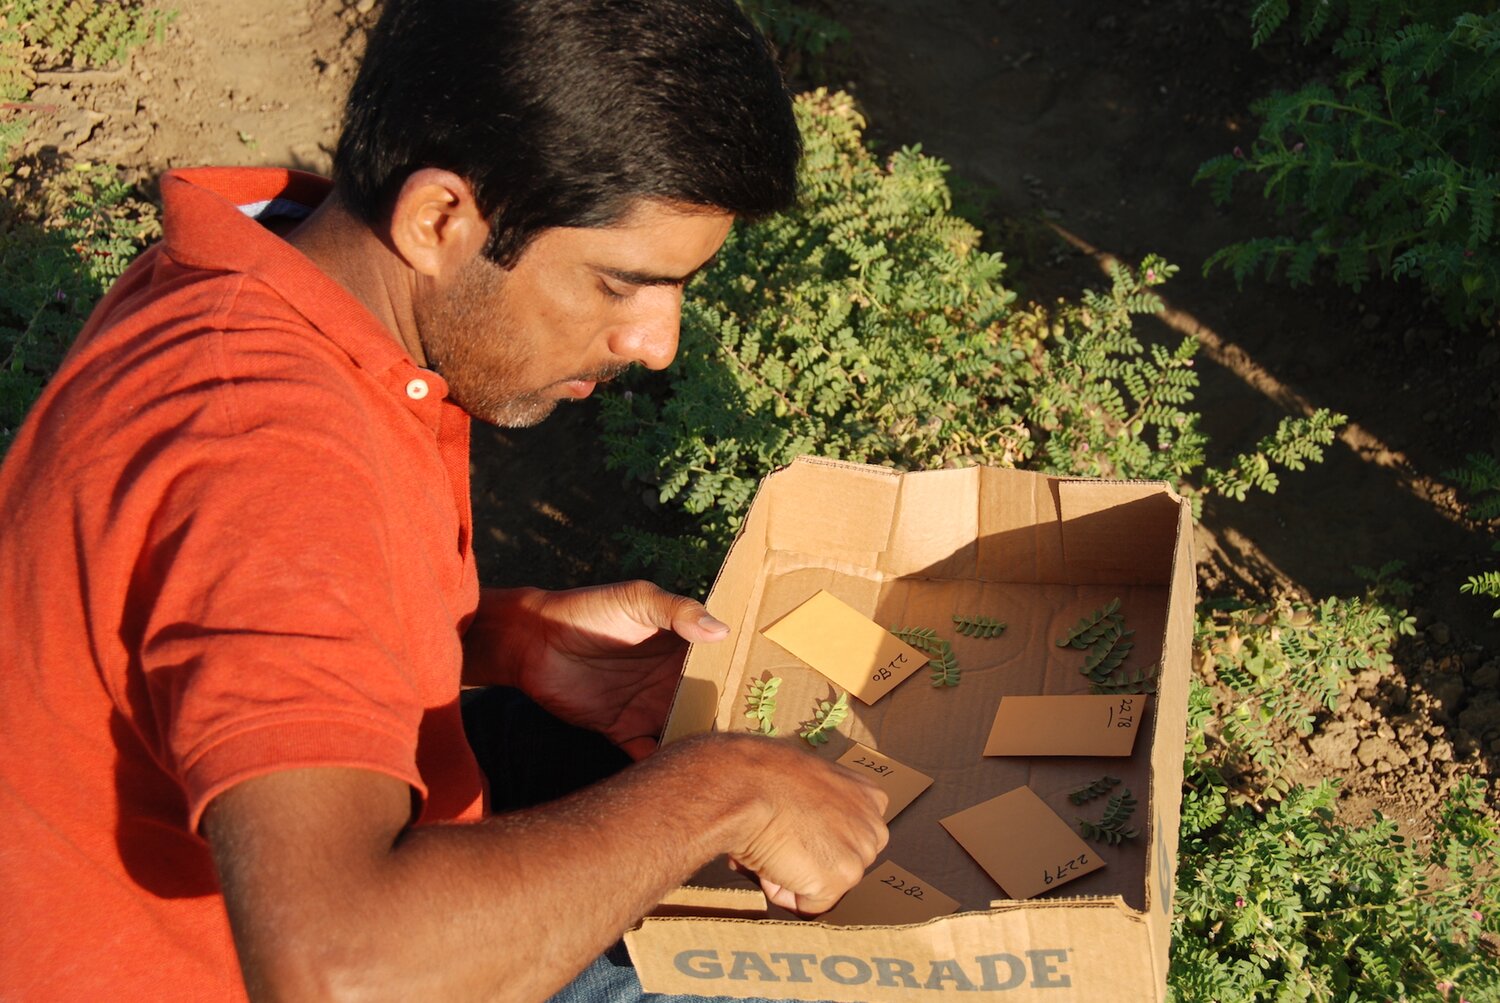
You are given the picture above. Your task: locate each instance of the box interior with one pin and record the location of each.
(1035, 552)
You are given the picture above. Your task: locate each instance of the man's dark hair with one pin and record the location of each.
(566, 112)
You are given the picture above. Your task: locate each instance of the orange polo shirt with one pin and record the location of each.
(234, 538)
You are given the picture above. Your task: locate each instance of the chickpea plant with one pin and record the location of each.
(827, 717)
(941, 660)
(761, 704)
(1095, 789)
(1111, 827)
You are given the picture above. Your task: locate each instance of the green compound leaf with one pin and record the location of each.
(760, 704)
(940, 657)
(1111, 828)
(1097, 789)
(1128, 681)
(1108, 653)
(924, 639)
(978, 626)
(1089, 629)
(826, 718)
(944, 666)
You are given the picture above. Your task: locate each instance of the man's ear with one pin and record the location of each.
(435, 224)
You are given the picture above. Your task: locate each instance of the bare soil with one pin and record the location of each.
(1073, 131)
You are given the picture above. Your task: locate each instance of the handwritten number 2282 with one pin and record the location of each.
(915, 891)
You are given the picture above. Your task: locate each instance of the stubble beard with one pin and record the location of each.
(471, 341)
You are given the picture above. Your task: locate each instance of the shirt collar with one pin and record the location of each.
(212, 218)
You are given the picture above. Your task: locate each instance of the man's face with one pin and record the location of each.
(578, 308)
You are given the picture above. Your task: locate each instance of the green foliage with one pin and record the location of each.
(49, 34)
(1289, 904)
(1486, 584)
(1097, 789)
(941, 660)
(52, 273)
(924, 639)
(760, 704)
(82, 33)
(867, 325)
(944, 666)
(1480, 476)
(1128, 681)
(1093, 626)
(978, 626)
(1295, 442)
(793, 27)
(1107, 653)
(1393, 166)
(1111, 826)
(1098, 403)
(1277, 899)
(1286, 663)
(826, 718)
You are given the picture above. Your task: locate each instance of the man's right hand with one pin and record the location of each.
(818, 826)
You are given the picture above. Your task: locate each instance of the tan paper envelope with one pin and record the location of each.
(1021, 843)
(1084, 725)
(901, 783)
(892, 896)
(853, 651)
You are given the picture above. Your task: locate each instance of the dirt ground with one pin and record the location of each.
(1075, 129)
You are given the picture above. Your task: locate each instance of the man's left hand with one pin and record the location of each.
(605, 658)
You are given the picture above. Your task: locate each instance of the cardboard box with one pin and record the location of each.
(912, 550)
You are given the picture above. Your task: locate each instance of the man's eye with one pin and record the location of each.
(611, 292)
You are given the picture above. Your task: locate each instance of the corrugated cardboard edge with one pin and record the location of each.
(1166, 756)
(727, 903)
(964, 953)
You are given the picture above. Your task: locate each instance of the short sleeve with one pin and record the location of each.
(274, 632)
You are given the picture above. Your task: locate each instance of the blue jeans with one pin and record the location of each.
(611, 979)
(530, 757)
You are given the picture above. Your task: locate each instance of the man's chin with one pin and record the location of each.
(521, 412)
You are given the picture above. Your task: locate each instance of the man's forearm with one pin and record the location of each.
(551, 888)
(508, 908)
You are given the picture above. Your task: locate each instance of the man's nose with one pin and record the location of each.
(651, 339)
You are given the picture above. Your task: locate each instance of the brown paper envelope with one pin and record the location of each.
(891, 896)
(1021, 843)
(853, 651)
(899, 781)
(1082, 725)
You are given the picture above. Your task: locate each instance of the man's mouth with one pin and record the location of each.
(584, 385)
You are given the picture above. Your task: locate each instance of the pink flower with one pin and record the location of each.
(1299, 147)
(1478, 916)
(1150, 275)
(1239, 902)
(1239, 153)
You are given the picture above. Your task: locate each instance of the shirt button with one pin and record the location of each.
(416, 389)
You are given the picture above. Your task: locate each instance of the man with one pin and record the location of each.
(237, 589)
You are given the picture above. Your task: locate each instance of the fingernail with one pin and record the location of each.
(710, 622)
